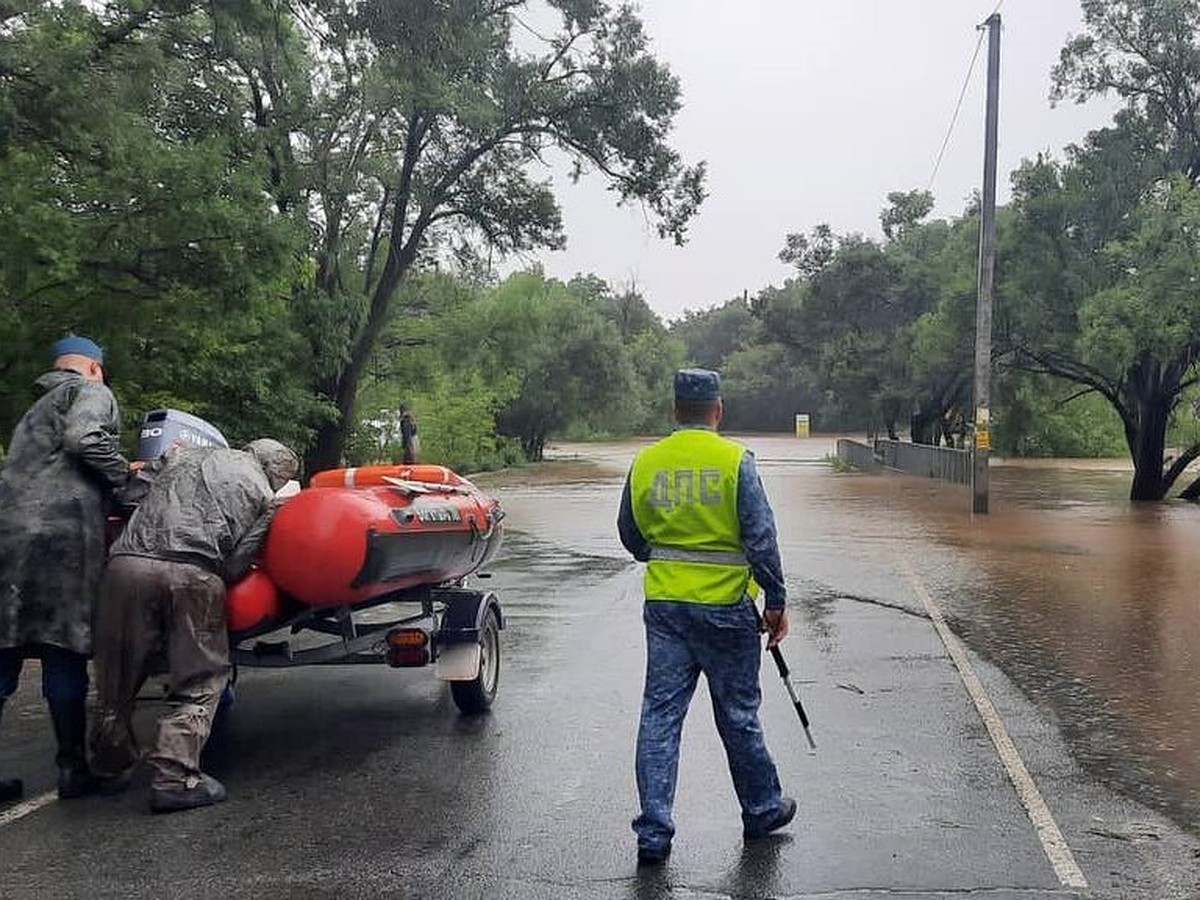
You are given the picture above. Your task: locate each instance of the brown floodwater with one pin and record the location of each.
(1089, 603)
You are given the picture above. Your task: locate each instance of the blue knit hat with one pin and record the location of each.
(697, 385)
(73, 344)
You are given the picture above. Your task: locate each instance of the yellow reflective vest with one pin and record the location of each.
(683, 491)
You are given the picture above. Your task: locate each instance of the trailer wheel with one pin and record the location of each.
(476, 696)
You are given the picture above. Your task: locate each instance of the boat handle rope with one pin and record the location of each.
(424, 487)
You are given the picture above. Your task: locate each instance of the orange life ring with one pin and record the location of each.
(367, 476)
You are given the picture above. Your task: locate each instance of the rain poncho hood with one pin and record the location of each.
(208, 507)
(278, 461)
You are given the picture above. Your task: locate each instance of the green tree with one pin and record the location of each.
(569, 363)
(131, 208)
(1145, 52)
(847, 313)
(421, 127)
(711, 335)
(1136, 333)
(653, 353)
(419, 362)
(904, 212)
(764, 388)
(927, 377)
(656, 356)
(1114, 314)
(810, 254)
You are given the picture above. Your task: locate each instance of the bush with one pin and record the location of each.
(455, 424)
(1043, 424)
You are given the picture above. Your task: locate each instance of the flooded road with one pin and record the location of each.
(1089, 603)
(364, 782)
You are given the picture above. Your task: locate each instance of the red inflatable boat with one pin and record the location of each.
(358, 534)
(366, 565)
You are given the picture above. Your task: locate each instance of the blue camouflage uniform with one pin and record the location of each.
(722, 640)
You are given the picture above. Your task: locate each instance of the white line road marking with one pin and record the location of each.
(1053, 843)
(21, 810)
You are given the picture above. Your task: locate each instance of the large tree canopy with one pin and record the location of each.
(1136, 338)
(132, 209)
(424, 132)
(246, 185)
(1145, 52)
(1102, 275)
(566, 358)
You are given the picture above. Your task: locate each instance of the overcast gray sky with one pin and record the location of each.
(811, 111)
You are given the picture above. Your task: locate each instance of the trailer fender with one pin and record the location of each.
(459, 649)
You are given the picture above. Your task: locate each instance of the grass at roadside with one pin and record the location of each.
(566, 470)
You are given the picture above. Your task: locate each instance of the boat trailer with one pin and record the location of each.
(455, 628)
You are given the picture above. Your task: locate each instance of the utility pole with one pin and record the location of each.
(987, 275)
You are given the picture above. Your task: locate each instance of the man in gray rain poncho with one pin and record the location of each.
(63, 465)
(197, 529)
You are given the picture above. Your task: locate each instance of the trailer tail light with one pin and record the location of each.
(407, 647)
(407, 637)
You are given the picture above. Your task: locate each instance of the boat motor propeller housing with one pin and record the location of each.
(163, 429)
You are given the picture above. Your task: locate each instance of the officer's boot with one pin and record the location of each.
(75, 779)
(10, 788)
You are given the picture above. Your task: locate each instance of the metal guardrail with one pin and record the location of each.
(857, 454)
(943, 463)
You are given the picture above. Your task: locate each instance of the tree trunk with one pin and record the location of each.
(330, 444)
(1146, 432)
(328, 450)
(1191, 493)
(532, 445)
(922, 428)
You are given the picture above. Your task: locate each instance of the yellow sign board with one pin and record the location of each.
(983, 439)
(801, 425)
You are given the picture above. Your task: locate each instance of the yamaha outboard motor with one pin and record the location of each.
(163, 429)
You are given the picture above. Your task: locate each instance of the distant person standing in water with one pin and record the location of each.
(410, 441)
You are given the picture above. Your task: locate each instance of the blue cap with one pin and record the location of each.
(697, 385)
(81, 346)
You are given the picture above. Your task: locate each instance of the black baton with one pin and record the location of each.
(785, 674)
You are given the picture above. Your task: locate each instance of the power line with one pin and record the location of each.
(958, 106)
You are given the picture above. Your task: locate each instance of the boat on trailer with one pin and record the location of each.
(345, 555)
(366, 565)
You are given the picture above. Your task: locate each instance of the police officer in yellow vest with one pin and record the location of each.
(695, 512)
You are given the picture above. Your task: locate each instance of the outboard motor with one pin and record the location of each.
(163, 429)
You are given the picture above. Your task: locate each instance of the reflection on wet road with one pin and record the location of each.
(1089, 603)
(362, 782)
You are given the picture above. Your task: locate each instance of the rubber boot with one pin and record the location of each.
(75, 779)
(10, 788)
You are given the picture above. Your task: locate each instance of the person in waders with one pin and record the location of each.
(694, 510)
(198, 528)
(64, 464)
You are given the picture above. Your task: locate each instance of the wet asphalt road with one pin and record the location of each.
(366, 782)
